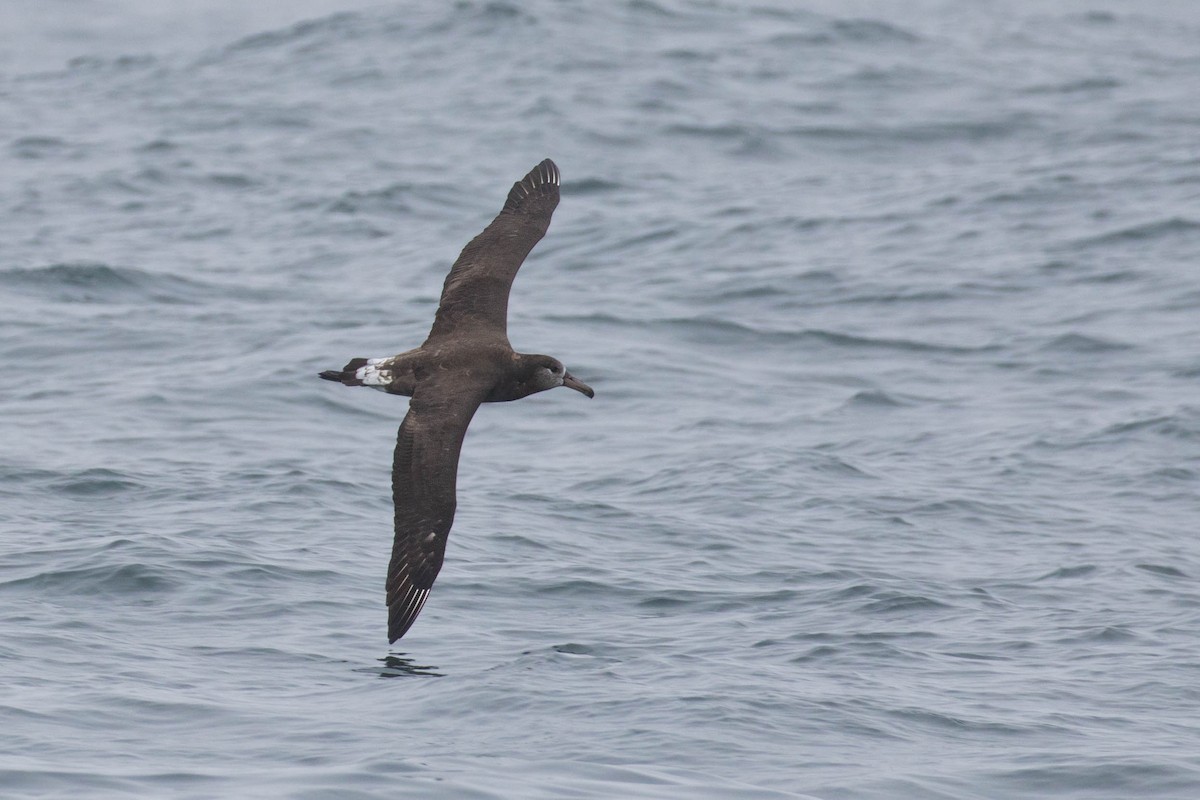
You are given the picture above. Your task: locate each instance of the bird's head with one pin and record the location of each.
(545, 373)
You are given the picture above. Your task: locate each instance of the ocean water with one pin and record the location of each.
(889, 488)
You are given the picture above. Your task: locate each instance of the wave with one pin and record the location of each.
(756, 136)
(1083, 344)
(711, 329)
(105, 579)
(1147, 231)
(97, 282)
(306, 37)
(337, 26)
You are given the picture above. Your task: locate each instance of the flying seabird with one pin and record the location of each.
(466, 360)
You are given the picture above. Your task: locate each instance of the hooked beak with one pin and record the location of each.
(571, 382)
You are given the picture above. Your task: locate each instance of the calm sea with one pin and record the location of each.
(889, 489)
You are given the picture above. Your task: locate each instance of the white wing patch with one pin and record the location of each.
(374, 374)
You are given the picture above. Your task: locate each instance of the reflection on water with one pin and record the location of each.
(398, 665)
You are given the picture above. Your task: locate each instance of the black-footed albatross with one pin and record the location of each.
(465, 361)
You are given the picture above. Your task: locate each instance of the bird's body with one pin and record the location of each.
(466, 360)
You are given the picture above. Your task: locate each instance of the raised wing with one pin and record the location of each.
(475, 294)
(424, 473)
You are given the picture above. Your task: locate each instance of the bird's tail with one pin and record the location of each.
(358, 372)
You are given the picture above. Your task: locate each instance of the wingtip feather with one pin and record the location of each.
(544, 179)
(403, 613)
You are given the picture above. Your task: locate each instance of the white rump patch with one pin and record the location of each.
(371, 374)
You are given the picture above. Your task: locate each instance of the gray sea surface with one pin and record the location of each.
(889, 488)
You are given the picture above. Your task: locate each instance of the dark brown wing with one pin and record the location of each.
(475, 294)
(423, 488)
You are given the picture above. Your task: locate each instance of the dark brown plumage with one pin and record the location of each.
(465, 361)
